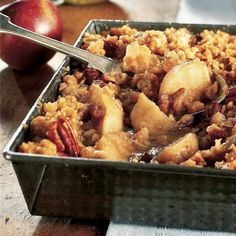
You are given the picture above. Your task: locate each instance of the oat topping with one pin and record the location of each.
(146, 111)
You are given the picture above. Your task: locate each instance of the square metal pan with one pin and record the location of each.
(170, 196)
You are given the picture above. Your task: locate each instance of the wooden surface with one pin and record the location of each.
(18, 91)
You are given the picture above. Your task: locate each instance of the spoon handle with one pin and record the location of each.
(98, 62)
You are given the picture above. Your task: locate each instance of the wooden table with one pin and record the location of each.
(19, 90)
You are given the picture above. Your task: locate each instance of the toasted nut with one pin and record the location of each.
(54, 137)
(91, 75)
(231, 91)
(68, 138)
(61, 134)
(178, 101)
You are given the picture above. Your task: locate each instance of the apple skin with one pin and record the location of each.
(40, 16)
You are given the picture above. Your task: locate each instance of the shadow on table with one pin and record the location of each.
(50, 226)
(19, 90)
(32, 82)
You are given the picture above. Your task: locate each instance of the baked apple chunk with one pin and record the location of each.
(115, 146)
(147, 114)
(192, 76)
(119, 146)
(111, 114)
(180, 150)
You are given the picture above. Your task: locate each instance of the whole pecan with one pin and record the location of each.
(61, 134)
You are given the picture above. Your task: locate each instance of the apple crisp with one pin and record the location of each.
(160, 107)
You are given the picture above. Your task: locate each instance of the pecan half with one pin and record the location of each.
(55, 137)
(61, 134)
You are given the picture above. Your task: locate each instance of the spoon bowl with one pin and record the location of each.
(221, 95)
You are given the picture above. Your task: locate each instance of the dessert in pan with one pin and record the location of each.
(172, 101)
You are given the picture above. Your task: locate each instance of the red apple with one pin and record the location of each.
(40, 16)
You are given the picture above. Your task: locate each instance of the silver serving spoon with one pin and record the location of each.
(100, 63)
(223, 87)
